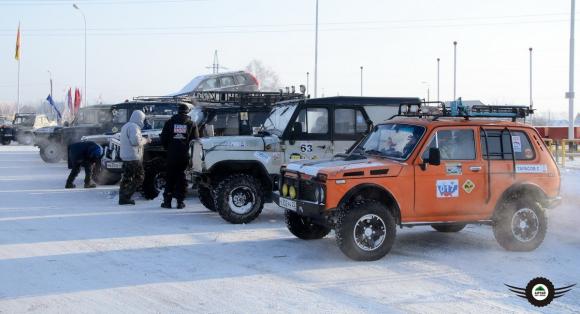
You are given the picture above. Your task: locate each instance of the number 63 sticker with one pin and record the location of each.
(306, 148)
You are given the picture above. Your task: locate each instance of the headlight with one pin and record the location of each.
(292, 192)
(284, 189)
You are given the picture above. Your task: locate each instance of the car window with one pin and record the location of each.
(208, 84)
(453, 145)
(225, 124)
(349, 121)
(498, 142)
(241, 79)
(227, 81)
(313, 120)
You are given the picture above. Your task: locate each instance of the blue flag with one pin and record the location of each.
(51, 102)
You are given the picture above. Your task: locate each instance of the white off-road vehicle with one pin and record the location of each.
(236, 175)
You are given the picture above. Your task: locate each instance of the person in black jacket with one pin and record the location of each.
(175, 137)
(82, 154)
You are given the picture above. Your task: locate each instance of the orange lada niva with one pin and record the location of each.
(443, 167)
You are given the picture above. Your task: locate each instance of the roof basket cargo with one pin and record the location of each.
(456, 109)
(222, 97)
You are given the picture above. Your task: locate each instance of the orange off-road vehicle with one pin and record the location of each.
(439, 165)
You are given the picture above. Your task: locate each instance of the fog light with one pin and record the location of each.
(292, 192)
(285, 190)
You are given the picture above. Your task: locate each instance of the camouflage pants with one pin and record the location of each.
(133, 175)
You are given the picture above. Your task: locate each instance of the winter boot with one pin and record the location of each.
(166, 203)
(180, 205)
(90, 185)
(124, 201)
(69, 186)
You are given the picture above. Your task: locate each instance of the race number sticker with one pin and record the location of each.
(179, 128)
(447, 188)
(531, 168)
(306, 147)
(517, 143)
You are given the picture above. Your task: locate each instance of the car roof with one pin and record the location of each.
(355, 100)
(456, 121)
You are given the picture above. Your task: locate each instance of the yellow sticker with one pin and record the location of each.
(468, 186)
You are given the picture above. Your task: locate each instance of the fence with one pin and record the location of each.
(563, 150)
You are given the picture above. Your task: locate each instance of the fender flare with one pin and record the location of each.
(396, 210)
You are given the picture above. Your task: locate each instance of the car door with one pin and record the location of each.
(309, 135)
(454, 190)
(349, 125)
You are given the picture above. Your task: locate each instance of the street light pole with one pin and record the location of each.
(438, 79)
(316, 55)
(531, 99)
(85, 20)
(454, 69)
(307, 83)
(361, 80)
(50, 78)
(570, 94)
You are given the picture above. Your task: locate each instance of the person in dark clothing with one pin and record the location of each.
(175, 137)
(82, 154)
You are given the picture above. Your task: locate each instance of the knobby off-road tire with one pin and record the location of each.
(6, 142)
(206, 198)
(520, 225)
(238, 198)
(153, 183)
(52, 153)
(448, 227)
(303, 227)
(26, 139)
(365, 230)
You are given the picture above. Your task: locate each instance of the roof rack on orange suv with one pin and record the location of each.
(428, 165)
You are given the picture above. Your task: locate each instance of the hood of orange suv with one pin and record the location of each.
(339, 169)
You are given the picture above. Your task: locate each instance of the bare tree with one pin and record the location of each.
(268, 79)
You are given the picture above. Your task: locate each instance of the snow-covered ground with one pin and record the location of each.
(71, 251)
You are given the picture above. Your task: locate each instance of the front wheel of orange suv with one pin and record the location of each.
(365, 230)
(520, 225)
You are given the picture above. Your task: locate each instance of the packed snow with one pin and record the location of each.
(70, 251)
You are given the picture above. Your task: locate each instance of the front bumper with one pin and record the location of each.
(303, 208)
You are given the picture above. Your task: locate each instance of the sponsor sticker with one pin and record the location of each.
(453, 169)
(295, 156)
(179, 128)
(447, 188)
(529, 153)
(263, 157)
(468, 186)
(517, 143)
(531, 168)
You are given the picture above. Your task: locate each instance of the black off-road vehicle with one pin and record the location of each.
(6, 131)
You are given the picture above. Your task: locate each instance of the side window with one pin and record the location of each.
(241, 79)
(208, 84)
(453, 145)
(498, 142)
(225, 124)
(227, 81)
(361, 123)
(349, 121)
(313, 120)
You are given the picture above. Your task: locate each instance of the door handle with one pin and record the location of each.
(475, 168)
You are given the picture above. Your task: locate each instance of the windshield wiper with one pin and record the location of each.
(373, 152)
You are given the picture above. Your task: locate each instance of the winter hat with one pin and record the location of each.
(183, 108)
(96, 151)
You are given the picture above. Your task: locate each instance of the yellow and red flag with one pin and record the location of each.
(17, 54)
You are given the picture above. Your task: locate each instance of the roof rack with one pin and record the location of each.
(223, 97)
(456, 108)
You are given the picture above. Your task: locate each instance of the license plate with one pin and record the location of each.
(288, 204)
(114, 165)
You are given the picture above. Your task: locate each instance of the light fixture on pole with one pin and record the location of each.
(85, 20)
(438, 99)
(570, 93)
(361, 80)
(316, 54)
(454, 69)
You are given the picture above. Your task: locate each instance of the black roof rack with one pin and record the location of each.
(224, 98)
(455, 109)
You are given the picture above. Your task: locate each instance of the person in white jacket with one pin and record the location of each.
(131, 153)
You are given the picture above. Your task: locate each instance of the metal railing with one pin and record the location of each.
(569, 149)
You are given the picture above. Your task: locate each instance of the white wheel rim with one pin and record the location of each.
(241, 200)
(525, 225)
(369, 232)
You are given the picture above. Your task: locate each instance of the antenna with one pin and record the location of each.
(215, 67)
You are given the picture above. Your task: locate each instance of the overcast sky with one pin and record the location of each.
(149, 47)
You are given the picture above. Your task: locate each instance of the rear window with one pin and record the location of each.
(498, 142)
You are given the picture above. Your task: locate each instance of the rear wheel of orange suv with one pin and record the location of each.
(365, 230)
(520, 225)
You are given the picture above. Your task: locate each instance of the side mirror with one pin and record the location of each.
(295, 132)
(434, 158)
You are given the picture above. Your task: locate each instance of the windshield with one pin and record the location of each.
(24, 120)
(392, 140)
(91, 116)
(278, 119)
